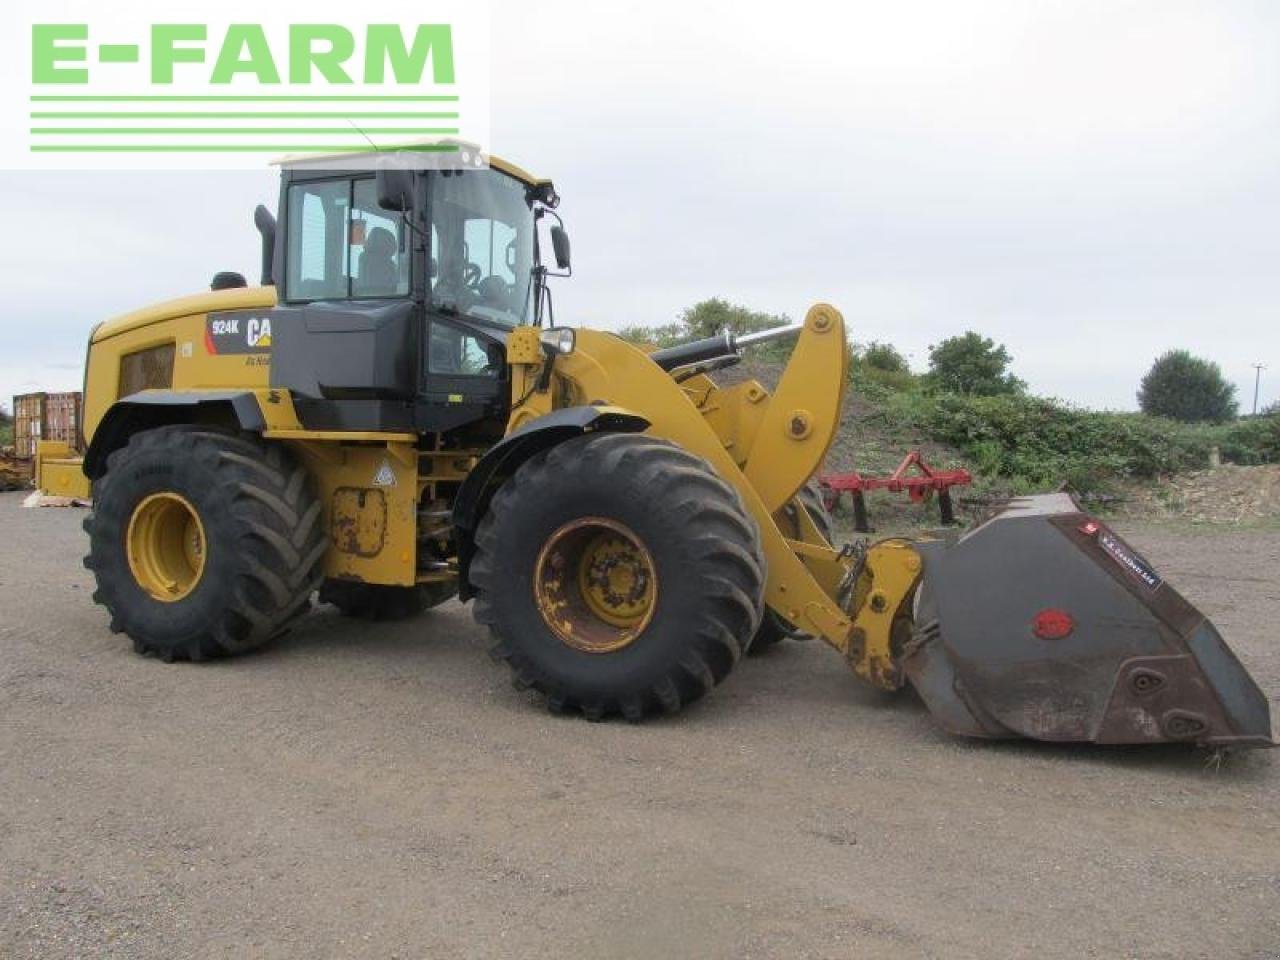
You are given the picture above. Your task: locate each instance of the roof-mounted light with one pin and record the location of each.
(547, 196)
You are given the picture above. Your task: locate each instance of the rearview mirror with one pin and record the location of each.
(560, 245)
(394, 187)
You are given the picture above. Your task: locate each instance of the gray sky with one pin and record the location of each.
(1090, 183)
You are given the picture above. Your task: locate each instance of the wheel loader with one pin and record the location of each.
(392, 418)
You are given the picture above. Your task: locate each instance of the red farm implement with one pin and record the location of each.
(921, 484)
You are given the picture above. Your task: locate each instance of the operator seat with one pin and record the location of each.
(376, 269)
(494, 291)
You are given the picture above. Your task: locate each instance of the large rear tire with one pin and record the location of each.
(617, 573)
(372, 601)
(774, 628)
(202, 543)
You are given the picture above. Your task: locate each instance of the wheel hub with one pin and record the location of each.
(166, 546)
(595, 585)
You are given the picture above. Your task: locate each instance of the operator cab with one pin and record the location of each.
(397, 290)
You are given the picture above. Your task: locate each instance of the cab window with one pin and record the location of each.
(482, 228)
(342, 245)
(457, 352)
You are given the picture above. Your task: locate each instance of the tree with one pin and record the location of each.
(708, 317)
(973, 365)
(884, 356)
(1187, 388)
(667, 335)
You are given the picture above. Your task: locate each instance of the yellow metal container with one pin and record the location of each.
(59, 472)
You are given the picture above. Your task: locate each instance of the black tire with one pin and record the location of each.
(371, 601)
(774, 628)
(264, 541)
(707, 561)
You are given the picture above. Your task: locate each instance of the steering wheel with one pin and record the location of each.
(471, 275)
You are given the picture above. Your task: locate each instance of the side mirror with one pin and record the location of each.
(560, 245)
(394, 187)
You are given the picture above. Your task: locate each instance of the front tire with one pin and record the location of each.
(202, 543)
(617, 573)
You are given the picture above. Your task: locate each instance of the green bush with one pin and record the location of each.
(1039, 444)
(1251, 440)
(877, 369)
(873, 382)
(884, 357)
(970, 402)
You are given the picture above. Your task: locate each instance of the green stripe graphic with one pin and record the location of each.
(273, 98)
(39, 115)
(344, 148)
(272, 131)
(306, 107)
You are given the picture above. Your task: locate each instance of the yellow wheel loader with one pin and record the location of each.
(392, 418)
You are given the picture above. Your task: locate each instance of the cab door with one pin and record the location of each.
(465, 372)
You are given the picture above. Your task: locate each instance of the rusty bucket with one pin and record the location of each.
(1044, 623)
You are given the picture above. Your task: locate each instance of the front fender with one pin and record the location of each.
(505, 457)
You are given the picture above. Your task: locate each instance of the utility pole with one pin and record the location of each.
(1257, 381)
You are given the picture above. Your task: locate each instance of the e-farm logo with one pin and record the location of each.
(143, 85)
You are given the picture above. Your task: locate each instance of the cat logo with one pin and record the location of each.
(258, 333)
(385, 477)
(237, 333)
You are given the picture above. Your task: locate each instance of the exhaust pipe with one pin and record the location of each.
(266, 224)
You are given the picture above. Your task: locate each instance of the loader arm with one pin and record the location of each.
(800, 420)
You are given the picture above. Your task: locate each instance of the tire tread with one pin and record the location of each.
(719, 533)
(274, 579)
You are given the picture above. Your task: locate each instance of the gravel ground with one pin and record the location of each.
(381, 790)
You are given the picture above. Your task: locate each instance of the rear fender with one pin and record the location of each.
(159, 408)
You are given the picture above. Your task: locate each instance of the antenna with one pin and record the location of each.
(376, 148)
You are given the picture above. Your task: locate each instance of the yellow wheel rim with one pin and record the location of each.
(166, 546)
(595, 584)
